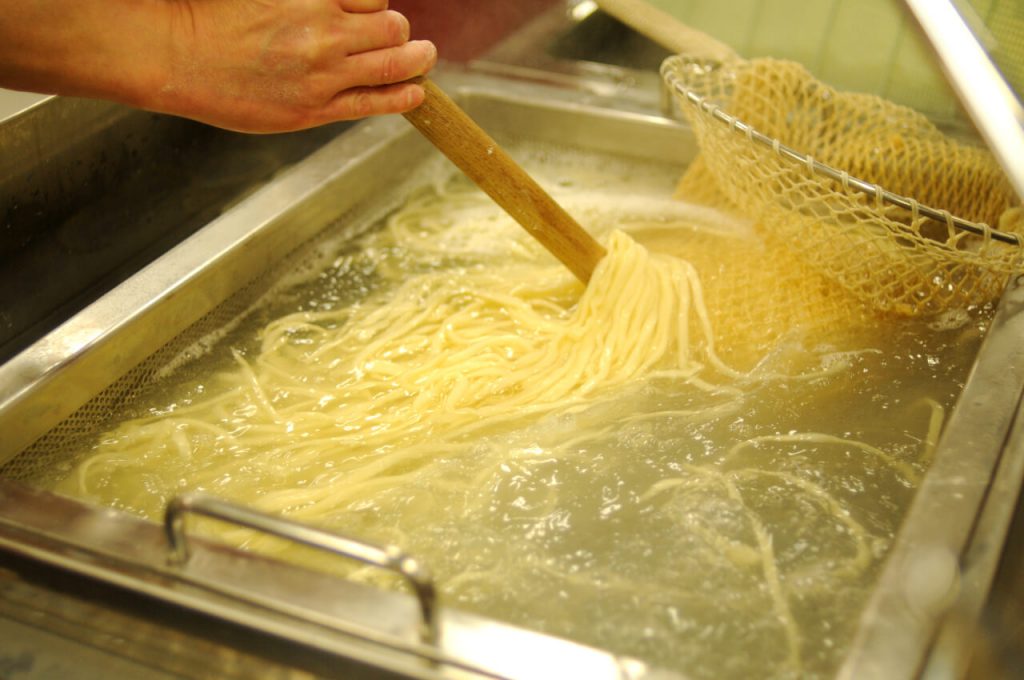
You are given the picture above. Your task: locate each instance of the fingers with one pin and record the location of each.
(374, 31)
(363, 6)
(360, 102)
(392, 65)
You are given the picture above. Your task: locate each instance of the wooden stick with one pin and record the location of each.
(665, 30)
(474, 152)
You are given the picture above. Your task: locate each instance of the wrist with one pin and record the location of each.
(110, 49)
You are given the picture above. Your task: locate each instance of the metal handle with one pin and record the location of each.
(388, 557)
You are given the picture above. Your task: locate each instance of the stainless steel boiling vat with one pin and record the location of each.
(951, 537)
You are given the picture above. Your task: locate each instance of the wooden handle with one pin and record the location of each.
(667, 31)
(474, 152)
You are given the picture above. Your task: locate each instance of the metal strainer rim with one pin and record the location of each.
(879, 193)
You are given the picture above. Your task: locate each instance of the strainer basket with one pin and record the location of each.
(899, 214)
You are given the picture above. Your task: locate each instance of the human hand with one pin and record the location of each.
(271, 66)
(250, 65)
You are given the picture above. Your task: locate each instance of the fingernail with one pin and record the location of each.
(405, 25)
(429, 49)
(414, 98)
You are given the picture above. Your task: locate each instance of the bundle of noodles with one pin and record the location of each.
(341, 402)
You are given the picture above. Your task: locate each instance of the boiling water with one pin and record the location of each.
(726, 525)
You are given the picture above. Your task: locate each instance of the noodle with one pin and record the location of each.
(444, 358)
(462, 403)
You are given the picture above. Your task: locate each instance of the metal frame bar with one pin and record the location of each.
(991, 103)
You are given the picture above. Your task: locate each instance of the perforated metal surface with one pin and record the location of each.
(54, 453)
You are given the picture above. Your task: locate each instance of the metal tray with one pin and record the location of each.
(951, 537)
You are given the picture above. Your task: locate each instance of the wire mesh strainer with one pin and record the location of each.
(868, 192)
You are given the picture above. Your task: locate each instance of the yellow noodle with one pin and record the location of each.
(434, 383)
(936, 416)
(904, 469)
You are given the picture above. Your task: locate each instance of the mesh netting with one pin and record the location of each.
(759, 297)
(892, 258)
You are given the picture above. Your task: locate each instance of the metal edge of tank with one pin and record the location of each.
(525, 54)
(941, 564)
